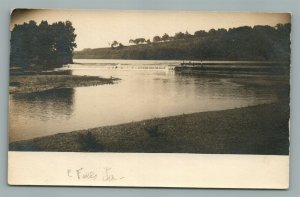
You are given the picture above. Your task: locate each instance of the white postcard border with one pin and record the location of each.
(148, 170)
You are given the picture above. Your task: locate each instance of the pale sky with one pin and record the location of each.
(97, 28)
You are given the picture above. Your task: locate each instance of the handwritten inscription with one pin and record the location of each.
(105, 174)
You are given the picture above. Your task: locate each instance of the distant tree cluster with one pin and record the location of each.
(241, 43)
(163, 38)
(43, 46)
(139, 41)
(116, 44)
(177, 36)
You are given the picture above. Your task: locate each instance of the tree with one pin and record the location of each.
(42, 46)
(131, 41)
(24, 45)
(165, 37)
(156, 39)
(114, 44)
(179, 36)
(137, 41)
(221, 31)
(187, 35)
(212, 32)
(140, 40)
(45, 43)
(120, 45)
(200, 34)
(64, 43)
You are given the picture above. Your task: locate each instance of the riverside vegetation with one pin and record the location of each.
(36, 50)
(263, 43)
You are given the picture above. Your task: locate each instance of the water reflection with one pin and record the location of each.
(28, 112)
(141, 94)
(46, 104)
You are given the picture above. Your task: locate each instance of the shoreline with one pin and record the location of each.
(38, 83)
(260, 129)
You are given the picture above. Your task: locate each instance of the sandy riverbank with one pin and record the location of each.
(38, 83)
(261, 129)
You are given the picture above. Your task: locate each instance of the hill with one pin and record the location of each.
(243, 43)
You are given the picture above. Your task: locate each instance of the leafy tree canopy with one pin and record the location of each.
(43, 46)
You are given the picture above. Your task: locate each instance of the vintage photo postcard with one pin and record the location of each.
(149, 98)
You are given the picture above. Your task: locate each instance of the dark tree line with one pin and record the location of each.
(43, 46)
(240, 43)
(213, 32)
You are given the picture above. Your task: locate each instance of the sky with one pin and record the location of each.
(99, 28)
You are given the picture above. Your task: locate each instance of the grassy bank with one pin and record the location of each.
(37, 83)
(267, 43)
(261, 129)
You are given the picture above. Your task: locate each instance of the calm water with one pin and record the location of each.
(141, 94)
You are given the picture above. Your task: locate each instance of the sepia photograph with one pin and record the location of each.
(159, 82)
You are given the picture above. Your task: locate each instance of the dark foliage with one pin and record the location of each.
(152, 130)
(89, 143)
(42, 46)
(241, 43)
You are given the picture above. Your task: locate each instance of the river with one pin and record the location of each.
(140, 94)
